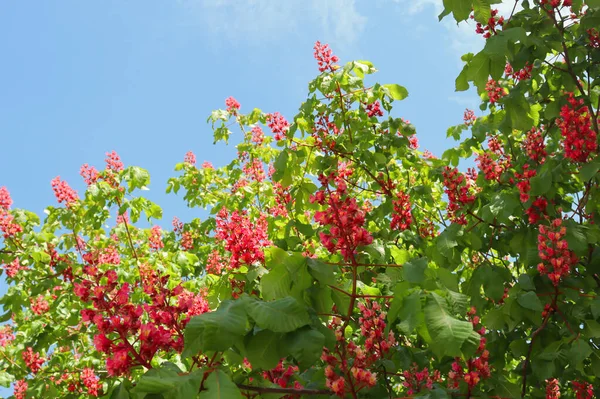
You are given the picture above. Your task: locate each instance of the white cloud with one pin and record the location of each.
(340, 20)
(462, 37)
(264, 21)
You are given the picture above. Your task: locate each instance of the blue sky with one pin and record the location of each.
(80, 78)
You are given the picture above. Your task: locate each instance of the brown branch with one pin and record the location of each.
(339, 90)
(533, 337)
(570, 70)
(129, 237)
(292, 391)
(362, 264)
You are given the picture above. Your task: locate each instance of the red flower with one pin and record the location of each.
(190, 158)
(232, 105)
(91, 381)
(63, 192)
(325, 57)
(552, 389)
(5, 200)
(89, 174)
(113, 162)
(33, 360)
(278, 125)
(495, 92)
(155, 239)
(575, 125)
(554, 251)
(20, 389)
(402, 217)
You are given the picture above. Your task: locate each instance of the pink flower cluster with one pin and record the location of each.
(32, 359)
(232, 105)
(324, 57)
(402, 216)
(521, 74)
(494, 90)
(458, 189)
(278, 125)
(281, 376)
(190, 158)
(39, 305)
(63, 192)
(477, 368)
(417, 381)
(155, 239)
(491, 28)
(6, 335)
(119, 320)
(493, 163)
(469, 117)
(91, 381)
(89, 174)
(554, 251)
(243, 238)
(580, 140)
(113, 162)
(376, 346)
(343, 216)
(8, 228)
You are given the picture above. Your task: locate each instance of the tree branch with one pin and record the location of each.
(292, 391)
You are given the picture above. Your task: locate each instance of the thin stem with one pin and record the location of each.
(292, 391)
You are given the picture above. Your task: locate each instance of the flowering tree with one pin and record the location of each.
(339, 260)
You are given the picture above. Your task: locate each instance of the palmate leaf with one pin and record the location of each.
(306, 345)
(448, 334)
(277, 283)
(216, 330)
(219, 386)
(170, 382)
(262, 349)
(281, 315)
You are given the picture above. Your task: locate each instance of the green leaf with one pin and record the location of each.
(593, 3)
(219, 386)
(595, 308)
(506, 389)
(448, 334)
(479, 70)
(281, 315)
(5, 379)
(530, 300)
(305, 345)
(592, 329)
(216, 330)
(525, 282)
(459, 8)
(482, 11)
(521, 115)
(414, 271)
(136, 177)
(121, 391)
(276, 284)
(262, 349)
(540, 184)
(396, 91)
(579, 351)
(320, 271)
(462, 81)
(169, 382)
(446, 241)
(411, 313)
(590, 169)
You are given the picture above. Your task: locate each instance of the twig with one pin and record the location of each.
(285, 390)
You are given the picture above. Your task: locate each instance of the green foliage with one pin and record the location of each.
(358, 259)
